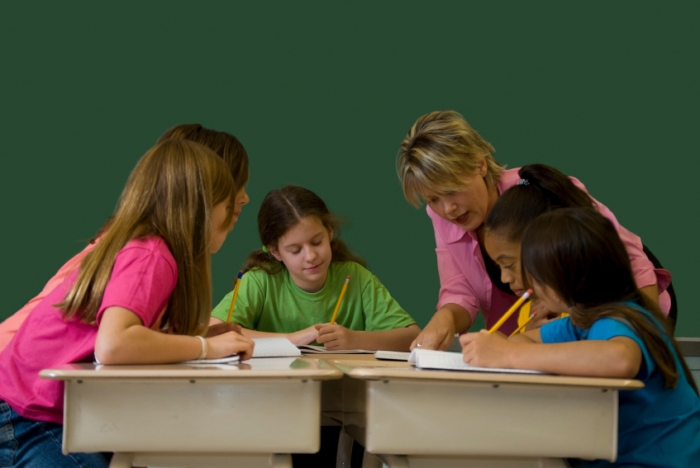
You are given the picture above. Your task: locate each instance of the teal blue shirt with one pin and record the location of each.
(657, 426)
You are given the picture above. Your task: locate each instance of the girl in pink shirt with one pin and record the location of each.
(446, 163)
(224, 144)
(142, 296)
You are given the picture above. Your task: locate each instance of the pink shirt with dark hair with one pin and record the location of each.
(465, 282)
(143, 277)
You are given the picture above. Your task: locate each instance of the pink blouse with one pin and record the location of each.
(465, 282)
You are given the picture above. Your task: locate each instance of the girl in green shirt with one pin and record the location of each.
(291, 286)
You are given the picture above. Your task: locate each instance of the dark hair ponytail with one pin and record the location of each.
(280, 211)
(541, 189)
(578, 253)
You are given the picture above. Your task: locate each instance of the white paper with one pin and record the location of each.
(274, 347)
(392, 355)
(431, 359)
(311, 349)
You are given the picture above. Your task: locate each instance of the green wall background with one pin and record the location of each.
(322, 93)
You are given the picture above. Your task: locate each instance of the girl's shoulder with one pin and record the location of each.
(152, 246)
(262, 278)
(150, 243)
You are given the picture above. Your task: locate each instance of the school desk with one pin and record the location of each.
(253, 414)
(438, 419)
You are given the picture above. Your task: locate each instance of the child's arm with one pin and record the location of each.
(301, 337)
(337, 337)
(123, 339)
(618, 357)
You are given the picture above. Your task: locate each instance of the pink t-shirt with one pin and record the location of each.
(465, 282)
(143, 277)
(11, 324)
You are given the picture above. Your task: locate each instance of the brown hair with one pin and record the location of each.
(169, 194)
(438, 151)
(280, 211)
(224, 144)
(578, 253)
(542, 189)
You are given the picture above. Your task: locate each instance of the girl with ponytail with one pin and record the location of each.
(541, 189)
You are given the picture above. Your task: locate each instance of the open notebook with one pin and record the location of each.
(392, 355)
(311, 349)
(264, 348)
(430, 359)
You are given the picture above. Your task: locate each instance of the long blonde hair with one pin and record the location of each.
(169, 194)
(440, 149)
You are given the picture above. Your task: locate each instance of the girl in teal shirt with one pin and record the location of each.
(576, 263)
(291, 286)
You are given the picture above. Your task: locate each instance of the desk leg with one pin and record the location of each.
(370, 461)
(121, 460)
(344, 456)
(281, 460)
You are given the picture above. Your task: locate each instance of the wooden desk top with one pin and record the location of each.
(260, 368)
(372, 369)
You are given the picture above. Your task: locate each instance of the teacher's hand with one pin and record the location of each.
(438, 333)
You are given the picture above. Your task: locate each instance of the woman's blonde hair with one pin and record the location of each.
(169, 194)
(438, 151)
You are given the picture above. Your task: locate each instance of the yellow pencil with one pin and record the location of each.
(235, 296)
(515, 306)
(340, 300)
(532, 316)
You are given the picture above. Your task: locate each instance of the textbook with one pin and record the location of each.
(430, 359)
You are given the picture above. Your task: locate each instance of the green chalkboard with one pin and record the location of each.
(321, 94)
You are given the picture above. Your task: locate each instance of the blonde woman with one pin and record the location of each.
(445, 163)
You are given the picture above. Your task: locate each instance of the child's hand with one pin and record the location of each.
(228, 344)
(484, 349)
(543, 316)
(223, 327)
(336, 337)
(304, 337)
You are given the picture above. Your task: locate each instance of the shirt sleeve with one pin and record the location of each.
(563, 331)
(454, 286)
(382, 312)
(559, 331)
(607, 328)
(249, 304)
(642, 267)
(142, 281)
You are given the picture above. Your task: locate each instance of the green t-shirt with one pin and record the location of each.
(273, 303)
